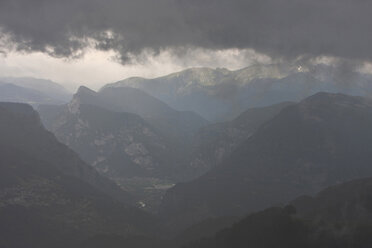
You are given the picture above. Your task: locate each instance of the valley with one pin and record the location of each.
(185, 124)
(120, 167)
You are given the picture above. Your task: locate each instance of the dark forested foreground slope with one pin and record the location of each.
(340, 216)
(321, 141)
(337, 217)
(48, 196)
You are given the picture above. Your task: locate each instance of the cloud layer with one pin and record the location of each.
(279, 28)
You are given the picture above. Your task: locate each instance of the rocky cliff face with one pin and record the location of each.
(133, 138)
(116, 144)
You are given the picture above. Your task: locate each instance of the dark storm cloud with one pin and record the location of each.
(279, 28)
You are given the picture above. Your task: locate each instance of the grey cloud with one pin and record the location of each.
(279, 28)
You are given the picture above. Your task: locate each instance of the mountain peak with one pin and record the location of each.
(82, 95)
(85, 90)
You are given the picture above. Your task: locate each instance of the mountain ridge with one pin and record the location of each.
(305, 148)
(221, 95)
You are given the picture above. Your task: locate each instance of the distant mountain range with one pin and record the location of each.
(32, 91)
(321, 141)
(220, 94)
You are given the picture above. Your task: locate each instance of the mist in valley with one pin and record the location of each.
(185, 124)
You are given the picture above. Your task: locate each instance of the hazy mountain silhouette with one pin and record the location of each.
(32, 91)
(220, 94)
(173, 124)
(14, 93)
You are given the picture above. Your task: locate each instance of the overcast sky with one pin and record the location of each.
(95, 41)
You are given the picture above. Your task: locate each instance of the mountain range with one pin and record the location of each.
(271, 139)
(127, 135)
(321, 141)
(221, 94)
(214, 142)
(59, 202)
(172, 123)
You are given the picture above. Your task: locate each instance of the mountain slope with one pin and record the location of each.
(215, 142)
(171, 123)
(20, 127)
(48, 196)
(117, 144)
(318, 142)
(270, 228)
(135, 139)
(142, 121)
(348, 202)
(339, 216)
